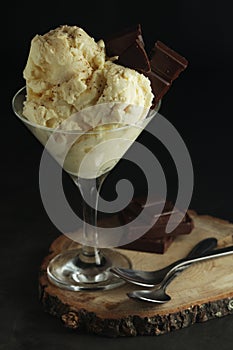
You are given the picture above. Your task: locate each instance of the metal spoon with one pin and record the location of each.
(158, 294)
(152, 278)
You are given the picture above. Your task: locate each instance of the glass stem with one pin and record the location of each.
(90, 190)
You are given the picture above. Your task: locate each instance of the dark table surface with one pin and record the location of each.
(198, 105)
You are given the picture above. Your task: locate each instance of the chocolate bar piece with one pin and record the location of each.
(135, 57)
(148, 217)
(118, 42)
(159, 86)
(128, 45)
(155, 239)
(166, 66)
(158, 246)
(167, 63)
(162, 66)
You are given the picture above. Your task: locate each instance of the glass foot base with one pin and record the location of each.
(68, 271)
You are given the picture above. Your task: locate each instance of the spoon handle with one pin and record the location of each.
(202, 247)
(153, 278)
(170, 276)
(217, 253)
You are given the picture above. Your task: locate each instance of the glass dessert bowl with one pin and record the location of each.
(88, 156)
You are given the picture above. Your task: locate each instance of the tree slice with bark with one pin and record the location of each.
(202, 292)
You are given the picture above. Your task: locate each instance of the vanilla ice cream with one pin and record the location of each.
(71, 84)
(67, 71)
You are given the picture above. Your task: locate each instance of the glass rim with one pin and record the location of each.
(150, 114)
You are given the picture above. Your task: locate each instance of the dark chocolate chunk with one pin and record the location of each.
(166, 63)
(158, 246)
(166, 66)
(128, 45)
(117, 43)
(152, 213)
(162, 67)
(135, 57)
(159, 86)
(154, 232)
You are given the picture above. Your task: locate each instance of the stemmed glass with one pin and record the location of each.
(88, 160)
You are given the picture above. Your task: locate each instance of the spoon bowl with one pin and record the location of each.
(152, 278)
(156, 295)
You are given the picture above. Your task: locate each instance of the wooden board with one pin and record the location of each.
(202, 292)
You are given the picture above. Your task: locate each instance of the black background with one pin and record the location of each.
(198, 105)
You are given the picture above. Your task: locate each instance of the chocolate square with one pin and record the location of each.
(155, 239)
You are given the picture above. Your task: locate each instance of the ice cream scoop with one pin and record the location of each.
(73, 84)
(67, 71)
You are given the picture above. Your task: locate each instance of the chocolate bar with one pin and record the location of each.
(118, 42)
(162, 66)
(158, 246)
(166, 65)
(155, 239)
(128, 45)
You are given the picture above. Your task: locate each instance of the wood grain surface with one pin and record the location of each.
(202, 292)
